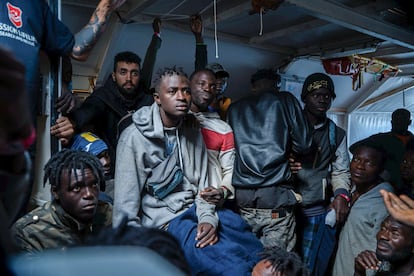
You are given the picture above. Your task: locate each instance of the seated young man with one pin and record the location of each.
(74, 213)
(160, 171)
(394, 254)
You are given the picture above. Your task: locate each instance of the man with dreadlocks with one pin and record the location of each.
(161, 169)
(74, 213)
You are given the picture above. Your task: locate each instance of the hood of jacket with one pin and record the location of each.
(148, 121)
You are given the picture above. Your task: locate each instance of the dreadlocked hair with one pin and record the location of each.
(167, 71)
(70, 160)
(284, 261)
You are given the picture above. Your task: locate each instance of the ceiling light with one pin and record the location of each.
(345, 52)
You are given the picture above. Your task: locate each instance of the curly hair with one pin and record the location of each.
(128, 57)
(166, 71)
(70, 160)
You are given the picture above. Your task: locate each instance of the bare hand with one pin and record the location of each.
(197, 27)
(341, 207)
(156, 25)
(294, 165)
(67, 102)
(63, 129)
(213, 195)
(206, 235)
(366, 260)
(401, 208)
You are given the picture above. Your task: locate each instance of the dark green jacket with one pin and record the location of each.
(50, 227)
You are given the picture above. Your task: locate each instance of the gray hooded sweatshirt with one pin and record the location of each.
(141, 150)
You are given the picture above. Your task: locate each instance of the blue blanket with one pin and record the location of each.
(236, 252)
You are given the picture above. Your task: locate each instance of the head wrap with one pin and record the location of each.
(89, 142)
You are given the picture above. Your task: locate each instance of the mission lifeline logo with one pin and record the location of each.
(15, 15)
(12, 31)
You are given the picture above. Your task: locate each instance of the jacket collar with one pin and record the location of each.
(68, 220)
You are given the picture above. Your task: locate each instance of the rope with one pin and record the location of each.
(261, 22)
(215, 28)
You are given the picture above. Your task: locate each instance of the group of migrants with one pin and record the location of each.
(263, 185)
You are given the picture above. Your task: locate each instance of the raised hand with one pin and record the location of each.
(156, 25)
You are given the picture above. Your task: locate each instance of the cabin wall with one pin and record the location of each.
(178, 48)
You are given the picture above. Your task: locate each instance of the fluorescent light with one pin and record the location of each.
(344, 52)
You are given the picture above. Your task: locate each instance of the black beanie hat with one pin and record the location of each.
(267, 74)
(316, 81)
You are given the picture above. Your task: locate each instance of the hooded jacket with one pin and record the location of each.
(141, 149)
(102, 110)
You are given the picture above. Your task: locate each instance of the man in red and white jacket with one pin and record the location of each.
(218, 137)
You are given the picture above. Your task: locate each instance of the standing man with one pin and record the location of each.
(220, 103)
(101, 112)
(265, 79)
(218, 137)
(267, 127)
(322, 175)
(394, 142)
